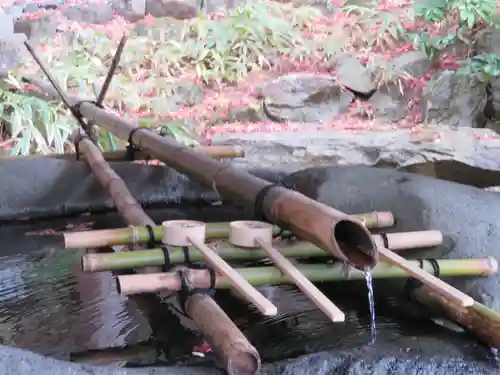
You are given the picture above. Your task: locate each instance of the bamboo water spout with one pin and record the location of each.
(332, 230)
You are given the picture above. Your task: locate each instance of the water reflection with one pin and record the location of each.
(51, 307)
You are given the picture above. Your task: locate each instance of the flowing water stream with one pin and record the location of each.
(371, 302)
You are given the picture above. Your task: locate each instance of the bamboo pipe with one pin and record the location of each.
(189, 232)
(228, 341)
(254, 234)
(343, 236)
(260, 276)
(426, 278)
(140, 235)
(216, 152)
(290, 249)
(481, 321)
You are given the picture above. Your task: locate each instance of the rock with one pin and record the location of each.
(89, 13)
(252, 113)
(415, 63)
(184, 94)
(15, 10)
(165, 28)
(452, 99)
(489, 42)
(324, 7)
(50, 4)
(12, 52)
(6, 24)
(178, 9)
(188, 94)
(131, 10)
(211, 6)
(37, 29)
(378, 147)
(305, 98)
(354, 75)
(389, 103)
(31, 8)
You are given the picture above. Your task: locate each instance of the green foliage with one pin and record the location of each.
(229, 48)
(377, 29)
(471, 14)
(36, 125)
(430, 45)
(214, 50)
(486, 65)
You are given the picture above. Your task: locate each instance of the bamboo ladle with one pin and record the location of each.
(255, 235)
(438, 285)
(192, 233)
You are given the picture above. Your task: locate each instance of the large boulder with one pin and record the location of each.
(378, 146)
(452, 99)
(305, 98)
(489, 42)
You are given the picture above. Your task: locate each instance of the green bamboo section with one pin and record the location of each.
(155, 257)
(214, 231)
(260, 276)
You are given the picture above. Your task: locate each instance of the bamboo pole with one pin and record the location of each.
(260, 276)
(290, 249)
(228, 341)
(216, 152)
(481, 321)
(140, 235)
(332, 230)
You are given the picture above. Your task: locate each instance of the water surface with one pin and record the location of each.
(49, 306)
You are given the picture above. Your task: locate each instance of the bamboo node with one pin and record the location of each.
(245, 233)
(183, 232)
(134, 235)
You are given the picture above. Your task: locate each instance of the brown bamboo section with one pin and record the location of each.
(232, 347)
(478, 319)
(216, 152)
(334, 231)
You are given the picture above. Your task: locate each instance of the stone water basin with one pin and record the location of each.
(50, 308)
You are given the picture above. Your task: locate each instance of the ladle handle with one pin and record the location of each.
(304, 284)
(244, 287)
(438, 285)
